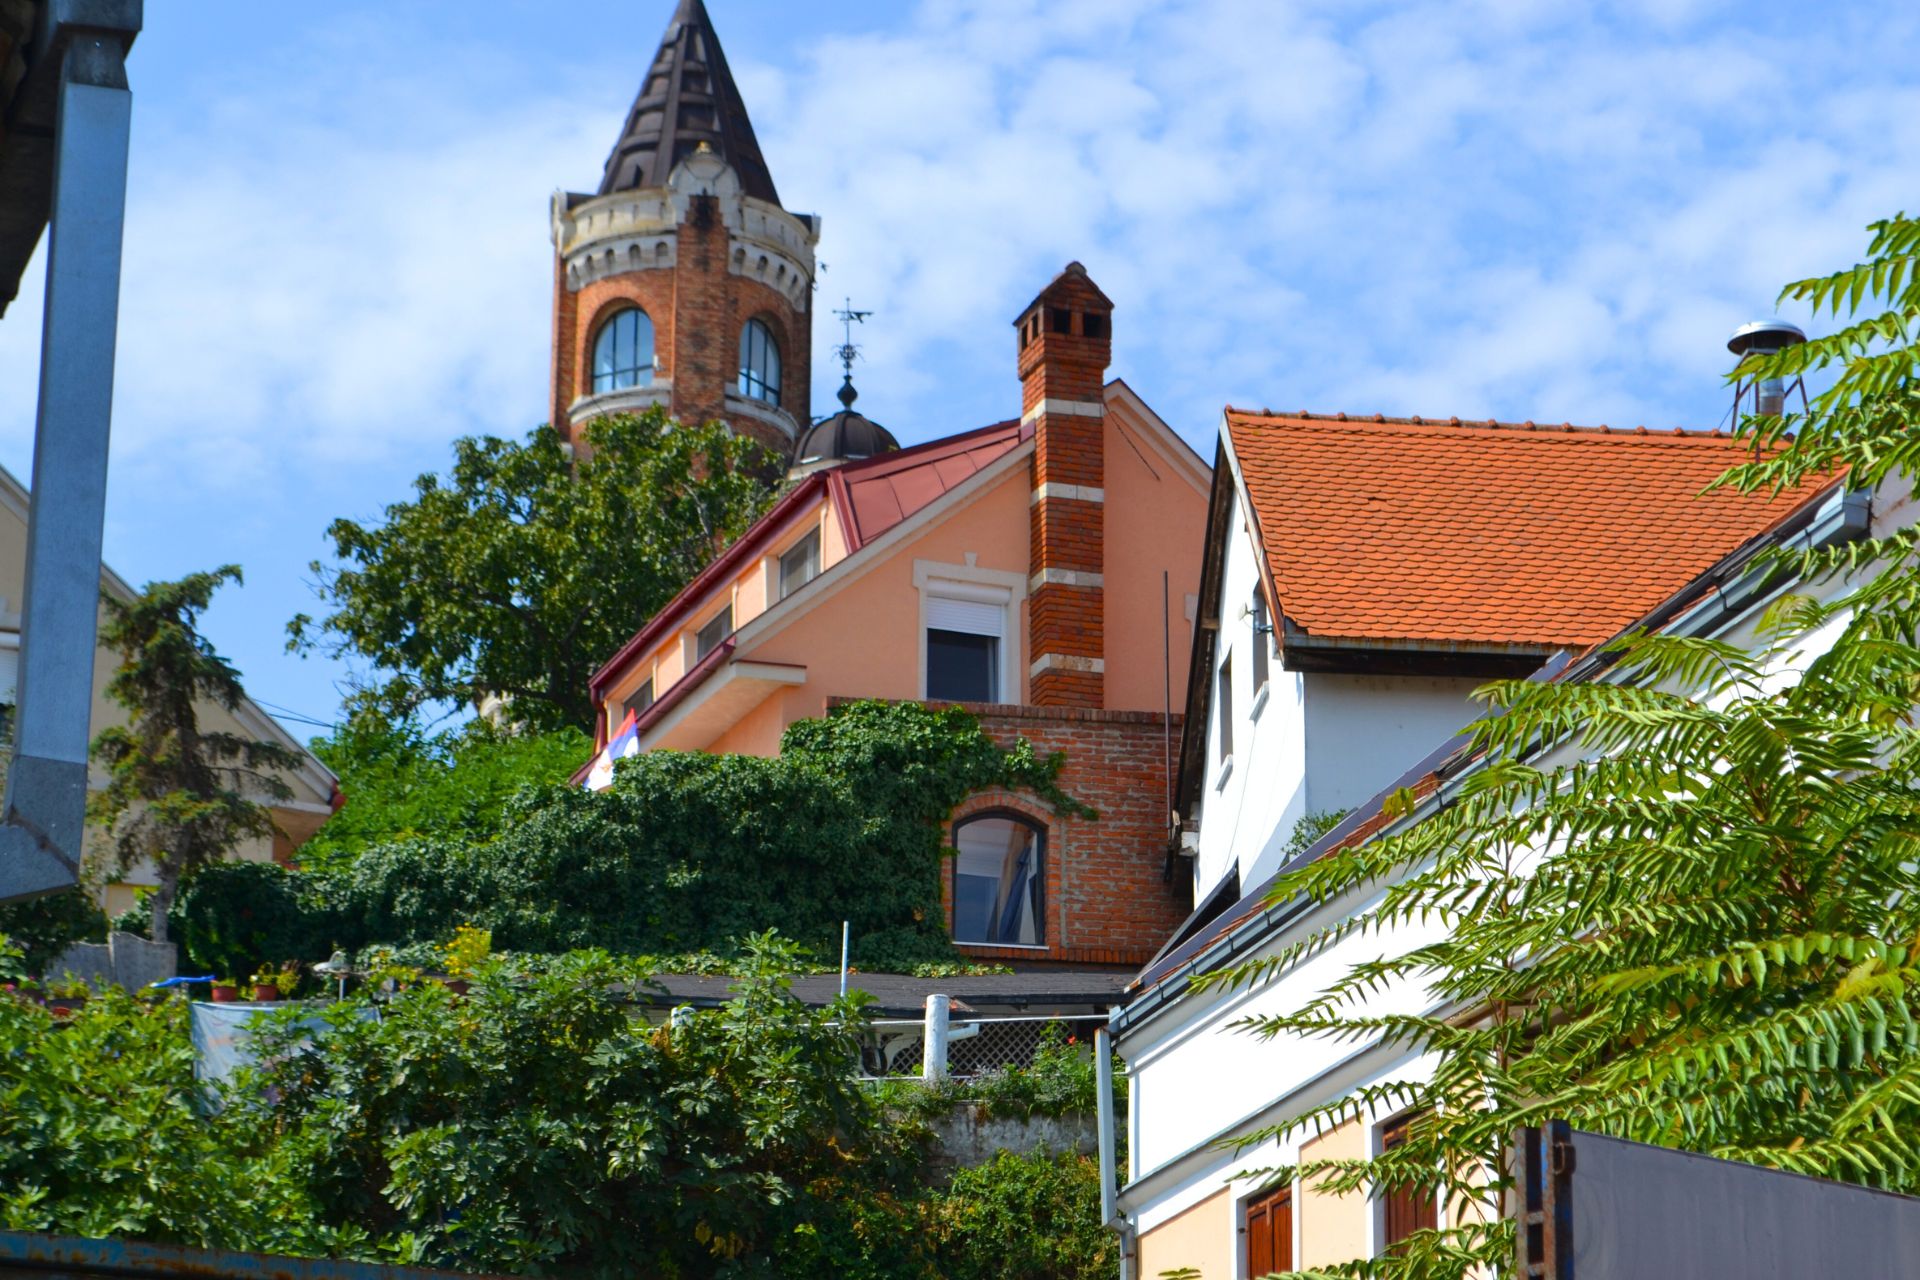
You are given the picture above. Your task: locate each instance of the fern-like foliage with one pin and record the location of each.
(1682, 906)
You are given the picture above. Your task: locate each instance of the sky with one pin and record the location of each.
(337, 257)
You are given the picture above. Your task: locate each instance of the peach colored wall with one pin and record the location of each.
(1152, 524)
(755, 734)
(1335, 1228)
(1204, 1238)
(833, 538)
(748, 591)
(865, 641)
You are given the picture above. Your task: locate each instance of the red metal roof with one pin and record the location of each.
(878, 493)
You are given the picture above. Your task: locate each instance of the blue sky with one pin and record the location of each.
(337, 256)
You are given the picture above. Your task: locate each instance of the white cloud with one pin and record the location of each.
(1514, 208)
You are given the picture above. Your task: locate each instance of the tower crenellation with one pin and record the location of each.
(683, 282)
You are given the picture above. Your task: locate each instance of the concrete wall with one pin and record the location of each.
(968, 1137)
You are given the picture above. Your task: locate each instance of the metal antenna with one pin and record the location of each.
(848, 351)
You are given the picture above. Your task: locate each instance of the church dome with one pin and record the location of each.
(846, 436)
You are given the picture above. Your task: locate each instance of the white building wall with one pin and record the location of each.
(1365, 731)
(1197, 1076)
(1262, 792)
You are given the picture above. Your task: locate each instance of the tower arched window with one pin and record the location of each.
(999, 880)
(759, 363)
(623, 351)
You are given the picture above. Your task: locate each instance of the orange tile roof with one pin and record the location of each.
(1401, 530)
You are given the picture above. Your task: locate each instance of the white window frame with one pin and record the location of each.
(775, 560)
(974, 585)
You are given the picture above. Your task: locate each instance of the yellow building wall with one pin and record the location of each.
(1204, 1238)
(1335, 1228)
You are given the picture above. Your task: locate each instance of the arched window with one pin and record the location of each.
(999, 880)
(759, 363)
(623, 353)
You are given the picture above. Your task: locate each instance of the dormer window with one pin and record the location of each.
(759, 363)
(623, 352)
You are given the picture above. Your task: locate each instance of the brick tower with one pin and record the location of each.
(681, 281)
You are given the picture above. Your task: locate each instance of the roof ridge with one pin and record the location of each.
(1475, 424)
(908, 452)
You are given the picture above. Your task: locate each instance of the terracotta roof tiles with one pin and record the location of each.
(1404, 530)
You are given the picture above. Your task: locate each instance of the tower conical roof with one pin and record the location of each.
(688, 98)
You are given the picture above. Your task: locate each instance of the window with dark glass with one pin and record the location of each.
(1224, 708)
(1269, 1228)
(800, 564)
(759, 363)
(623, 351)
(999, 880)
(1262, 637)
(963, 648)
(642, 698)
(1405, 1209)
(708, 638)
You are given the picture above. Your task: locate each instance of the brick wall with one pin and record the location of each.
(1108, 901)
(1064, 345)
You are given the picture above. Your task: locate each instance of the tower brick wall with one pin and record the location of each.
(1065, 344)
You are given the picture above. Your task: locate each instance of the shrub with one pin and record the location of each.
(44, 927)
(686, 852)
(1034, 1217)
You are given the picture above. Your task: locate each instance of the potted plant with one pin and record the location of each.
(226, 991)
(266, 986)
(67, 995)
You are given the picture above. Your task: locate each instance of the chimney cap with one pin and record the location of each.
(1765, 336)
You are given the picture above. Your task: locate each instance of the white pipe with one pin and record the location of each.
(846, 932)
(933, 1057)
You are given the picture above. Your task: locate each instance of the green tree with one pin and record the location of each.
(400, 782)
(539, 1126)
(178, 795)
(520, 572)
(1682, 906)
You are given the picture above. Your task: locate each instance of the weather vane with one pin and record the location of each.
(849, 351)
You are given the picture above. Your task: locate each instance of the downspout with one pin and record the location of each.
(1110, 1214)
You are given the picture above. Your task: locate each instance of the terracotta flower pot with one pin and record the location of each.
(459, 986)
(265, 992)
(62, 1006)
(224, 994)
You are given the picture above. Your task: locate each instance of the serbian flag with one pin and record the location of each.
(622, 744)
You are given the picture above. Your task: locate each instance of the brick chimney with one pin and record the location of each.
(1065, 345)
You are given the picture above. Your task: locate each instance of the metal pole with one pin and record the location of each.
(45, 806)
(933, 1056)
(1103, 1105)
(846, 932)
